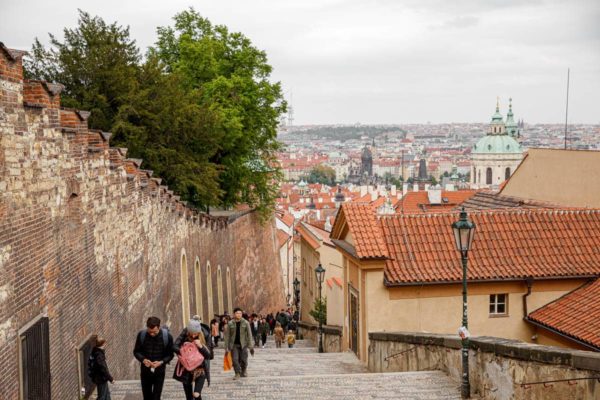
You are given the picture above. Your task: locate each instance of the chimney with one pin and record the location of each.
(426, 186)
(435, 195)
(450, 187)
(374, 196)
(363, 191)
(404, 188)
(415, 187)
(393, 190)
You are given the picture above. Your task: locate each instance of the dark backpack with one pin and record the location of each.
(165, 336)
(91, 365)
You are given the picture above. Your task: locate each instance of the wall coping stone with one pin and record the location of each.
(579, 359)
(328, 329)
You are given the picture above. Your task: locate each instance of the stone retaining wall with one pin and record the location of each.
(332, 336)
(95, 243)
(497, 367)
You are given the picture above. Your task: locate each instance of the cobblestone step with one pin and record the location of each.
(301, 373)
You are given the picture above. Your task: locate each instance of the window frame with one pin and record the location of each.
(494, 302)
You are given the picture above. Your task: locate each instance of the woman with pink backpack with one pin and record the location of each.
(193, 357)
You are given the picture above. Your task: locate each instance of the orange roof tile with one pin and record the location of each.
(306, 235)
(287, 219)
(368, 237)
(418, 202)
(508, 245)
(322, 234)
(282, 238)
(576, 315)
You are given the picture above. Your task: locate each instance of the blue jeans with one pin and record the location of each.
(103, 392)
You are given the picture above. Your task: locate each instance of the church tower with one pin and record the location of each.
(496, 156)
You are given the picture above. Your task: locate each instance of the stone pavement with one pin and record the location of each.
(302, 373)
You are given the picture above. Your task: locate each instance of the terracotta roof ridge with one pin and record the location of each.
(584, 286)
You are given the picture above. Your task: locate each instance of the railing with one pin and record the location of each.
(549, 383)
(407, 350)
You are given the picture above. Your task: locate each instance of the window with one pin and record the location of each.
(304, 276)
(229, 293)
(474, 176)
(220, 290)
(479, 176)
(185, 290)
(488, 176)
(209, 291)
(498, 304)
(507, 173)
(198, 289)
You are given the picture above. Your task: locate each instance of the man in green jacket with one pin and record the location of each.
(238, 340)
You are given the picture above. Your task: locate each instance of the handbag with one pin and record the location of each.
(227, 361)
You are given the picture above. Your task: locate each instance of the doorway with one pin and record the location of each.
(354, 321)
(34, 346)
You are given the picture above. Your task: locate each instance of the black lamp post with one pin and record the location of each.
(296, 292)
(296, 284)
(464, 231)
(320, 272)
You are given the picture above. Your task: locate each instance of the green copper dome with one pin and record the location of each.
(497, 144)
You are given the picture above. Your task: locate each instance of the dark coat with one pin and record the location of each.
(100, 373)
(186, 377)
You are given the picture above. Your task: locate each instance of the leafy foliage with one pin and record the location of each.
(200, 109)
(319, 311)
(321, 174)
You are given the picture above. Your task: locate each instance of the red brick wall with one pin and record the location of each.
(95, 243)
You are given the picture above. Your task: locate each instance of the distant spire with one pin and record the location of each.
(497, 104)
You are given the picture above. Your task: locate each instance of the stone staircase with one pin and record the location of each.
(302, 373)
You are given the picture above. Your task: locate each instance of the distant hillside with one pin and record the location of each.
(347, 132)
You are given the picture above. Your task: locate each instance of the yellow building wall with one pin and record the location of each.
(438, 308)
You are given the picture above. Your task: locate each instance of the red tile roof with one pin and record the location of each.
(576, 314)
(321, 234)
(418, 202)
(306, 236)
(287, 219)
(507, 245)
(367, 233)
(282, 238)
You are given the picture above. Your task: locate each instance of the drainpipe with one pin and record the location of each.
(529, 282)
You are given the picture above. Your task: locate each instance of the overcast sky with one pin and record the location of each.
(384, 61)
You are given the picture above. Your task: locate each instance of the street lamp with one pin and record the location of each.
(464, 231)
(320, 272)
(296, 284)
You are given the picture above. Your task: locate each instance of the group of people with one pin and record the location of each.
(155, 348)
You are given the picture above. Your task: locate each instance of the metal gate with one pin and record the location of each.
(35, 361)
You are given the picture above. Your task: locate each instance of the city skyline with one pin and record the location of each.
(344, 62)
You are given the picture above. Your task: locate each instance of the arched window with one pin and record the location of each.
(479, 176)
(185, 290)
(220, 290)
(209, 291)
(229, 293)
(198, 289)
(474, 176)
(507, 173)
(488, 176)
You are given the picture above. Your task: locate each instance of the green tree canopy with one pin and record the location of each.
(98, 64)
(232, 77)
(321, 174)
(200, 109)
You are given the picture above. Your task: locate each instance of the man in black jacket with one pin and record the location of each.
(154, 350)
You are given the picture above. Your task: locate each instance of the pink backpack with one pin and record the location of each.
(189, 357)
